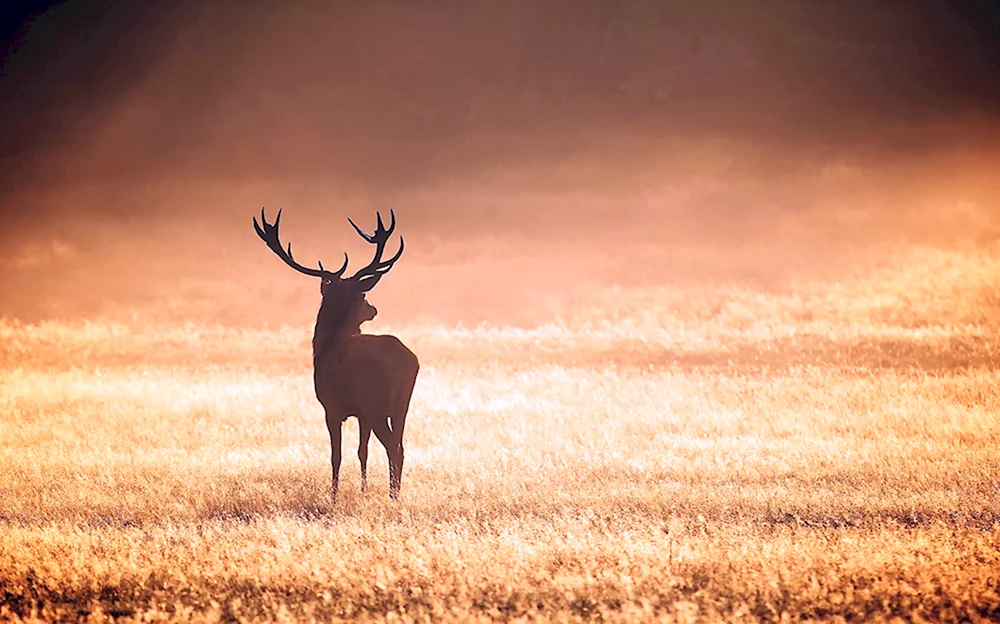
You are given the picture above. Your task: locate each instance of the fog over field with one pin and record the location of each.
(706, 298)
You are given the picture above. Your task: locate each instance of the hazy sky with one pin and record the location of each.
(140, 126)
(395, 92)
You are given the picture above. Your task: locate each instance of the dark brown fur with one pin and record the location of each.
(369, 377)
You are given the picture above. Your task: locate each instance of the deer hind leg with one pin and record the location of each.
(333, 424)
(400, 406)
(365, 434)
(385, 436)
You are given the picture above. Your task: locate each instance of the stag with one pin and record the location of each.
(366, 376)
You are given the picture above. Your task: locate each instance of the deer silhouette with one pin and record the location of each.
(367, 376)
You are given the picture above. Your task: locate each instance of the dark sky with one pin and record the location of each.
(389, 91)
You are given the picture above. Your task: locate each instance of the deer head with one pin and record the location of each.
(344, 297)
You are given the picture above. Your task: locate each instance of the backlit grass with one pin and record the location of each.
(823, 450)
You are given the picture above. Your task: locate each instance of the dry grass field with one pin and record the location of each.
(821, 449)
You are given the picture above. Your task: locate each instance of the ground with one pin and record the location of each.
(822, 448)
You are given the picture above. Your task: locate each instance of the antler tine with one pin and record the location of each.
(380, 230)
(388, 263)
(365, 235)
(383, 266)
(268, 232)
(339, 271)
(392, 222)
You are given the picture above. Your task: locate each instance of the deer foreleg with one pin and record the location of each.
(365, 435)
(334, 423)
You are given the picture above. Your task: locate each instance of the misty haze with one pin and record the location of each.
(705, 298)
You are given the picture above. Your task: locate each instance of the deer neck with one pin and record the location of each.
(331, 333)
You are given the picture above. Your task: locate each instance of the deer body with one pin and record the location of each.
(380, 398)
(354, 374)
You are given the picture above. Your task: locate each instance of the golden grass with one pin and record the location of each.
(823, 450)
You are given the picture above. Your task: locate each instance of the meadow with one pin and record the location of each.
(822, 448)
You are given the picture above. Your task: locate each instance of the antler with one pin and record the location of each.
(369, 275)
(269, 234)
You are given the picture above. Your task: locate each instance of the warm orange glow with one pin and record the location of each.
(705, 301)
